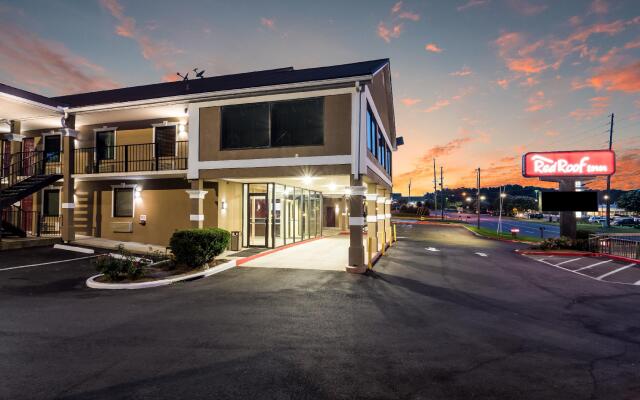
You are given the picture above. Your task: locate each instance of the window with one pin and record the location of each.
(52, 148)
(51, 203)
(297, 122)
(371, 132)
(245, 126)
(105, 145)
(166, 140)
(123, 202)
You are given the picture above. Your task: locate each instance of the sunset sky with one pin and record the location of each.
(476, 82)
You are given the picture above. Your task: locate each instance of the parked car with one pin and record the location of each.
(594, 219)
(624, 222)
(536, 216)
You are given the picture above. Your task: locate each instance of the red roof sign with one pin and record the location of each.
(569, 163)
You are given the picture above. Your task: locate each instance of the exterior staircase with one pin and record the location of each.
(26, 187)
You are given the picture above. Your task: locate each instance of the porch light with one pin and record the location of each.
(332, 186)
(223, 205)
(137, 194)
(347, 192)
(337, 209)
(306, 180)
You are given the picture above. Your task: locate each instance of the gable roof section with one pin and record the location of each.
(280, 76)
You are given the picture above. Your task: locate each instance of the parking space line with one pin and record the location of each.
(47, 263)
(614, 271)
(583, 275)
(568, 261)
(593, 265)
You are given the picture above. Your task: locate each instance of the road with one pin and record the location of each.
(527, 227)
(444, 315)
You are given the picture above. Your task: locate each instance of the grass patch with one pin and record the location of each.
(494, 235)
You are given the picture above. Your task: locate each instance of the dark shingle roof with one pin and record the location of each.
(221, 83)
(28, 95)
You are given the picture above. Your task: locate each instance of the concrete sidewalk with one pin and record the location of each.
(328, 253)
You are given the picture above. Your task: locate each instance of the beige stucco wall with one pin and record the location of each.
(337, 135)
(163, 201)
(231, 218)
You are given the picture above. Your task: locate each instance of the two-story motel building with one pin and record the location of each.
(278, 155)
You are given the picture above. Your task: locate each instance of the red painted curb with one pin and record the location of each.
(266, 253)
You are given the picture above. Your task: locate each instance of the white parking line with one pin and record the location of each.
(614, 271)
(568, 261)
(482, 254)
(578, 273)
(431, 249)
(47, 263)
(593, 265)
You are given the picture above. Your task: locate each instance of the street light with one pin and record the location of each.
(503, 195)
(483, 198)
(606, 197)
(469, 199)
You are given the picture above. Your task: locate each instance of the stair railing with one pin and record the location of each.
(30, 164)
(29, 222)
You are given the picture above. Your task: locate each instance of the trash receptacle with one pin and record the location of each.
(235, 241)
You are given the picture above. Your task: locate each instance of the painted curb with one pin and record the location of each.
(73, 248)
(93, 284)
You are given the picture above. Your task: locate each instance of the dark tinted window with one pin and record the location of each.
(297, 122)
(166, 140)
(105, 145)
(245, 126)
(52, 147)
(123, 202)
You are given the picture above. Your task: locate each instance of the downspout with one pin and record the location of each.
(358, 90)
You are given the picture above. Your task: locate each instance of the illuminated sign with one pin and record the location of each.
(569, 163)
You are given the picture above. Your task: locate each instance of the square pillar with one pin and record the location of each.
(344, 214)
(372, 215)
(387, 219)
(196, 197)
(382, 236)
(67, 227)
(357, 263)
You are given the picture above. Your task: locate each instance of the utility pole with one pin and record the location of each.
(478, 195)
(442, 193)
(500, 197)
(409, 192)
(608, 197)
(435, 189)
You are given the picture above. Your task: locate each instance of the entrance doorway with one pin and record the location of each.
(258, 216)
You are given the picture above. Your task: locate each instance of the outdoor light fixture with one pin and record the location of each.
(337, 209)
(223, 205)
(332, 186)
(606, 197)
(469, 199)
(137, 194)
(503, 195)
(306, 180)
(483, 198)
(347, 192)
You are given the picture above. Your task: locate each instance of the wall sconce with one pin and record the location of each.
(137, 194)
(223, 205)
(337, 209)
(182, 131)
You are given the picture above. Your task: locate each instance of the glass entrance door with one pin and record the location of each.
(258, 218)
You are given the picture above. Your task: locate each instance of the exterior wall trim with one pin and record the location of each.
(273, 162)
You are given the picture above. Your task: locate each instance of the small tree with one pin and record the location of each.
(630, 201)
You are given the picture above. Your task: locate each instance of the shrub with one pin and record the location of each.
(555, 243)
(117, 268)
(196, 247)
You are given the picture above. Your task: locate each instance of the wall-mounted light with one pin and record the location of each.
(337, 209)
(332, 186)
(137, 193)
(223, 205)
(307, 180)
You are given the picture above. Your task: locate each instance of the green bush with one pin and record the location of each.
(555, 243)
(118, 268)
(196, 247)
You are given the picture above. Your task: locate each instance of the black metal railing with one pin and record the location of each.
(131, 158)
(29, 164)
(624, 245)
(32, 223)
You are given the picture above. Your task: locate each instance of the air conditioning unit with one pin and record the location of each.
(122, 227)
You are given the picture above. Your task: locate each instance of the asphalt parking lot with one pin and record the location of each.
(599, 268)
(444, 315)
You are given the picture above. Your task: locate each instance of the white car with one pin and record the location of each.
(596, 219)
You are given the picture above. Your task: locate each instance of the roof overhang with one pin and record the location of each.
(32, 114)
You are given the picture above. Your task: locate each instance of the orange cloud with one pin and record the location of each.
(538, 102)
(161, 54)
(447, 102)
(387, 33)
(46, 65)
(598, 107)
(396, 8)
(552, 133)
(623, 79)
(527, 65)
(268, 23)
(472, 3)
(633, 44)
(432, 47)
(465, 71)
(530, 82)
(408, 101)
(409, 15)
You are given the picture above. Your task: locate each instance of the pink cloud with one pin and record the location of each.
(408, 101)
(538, 102)
(432, 47)
(465, 71)
(409, 15)
(46, 65)
(598, 106)
(528, 65)
(527, 8)
(396, 8)
(387, 33)
(622, 79)
(268, 23)
(530, 82)
(635, 44)
(442, 103)
(503, 83)
(161, 54)
(471, 4)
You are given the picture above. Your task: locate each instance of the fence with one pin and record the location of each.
(131, 158)
(624, 244)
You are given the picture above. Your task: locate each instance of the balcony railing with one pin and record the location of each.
(131, 158)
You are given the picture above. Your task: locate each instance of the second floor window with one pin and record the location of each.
(52, 148)
(276, 124)
(106, 145)
(166, 140)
